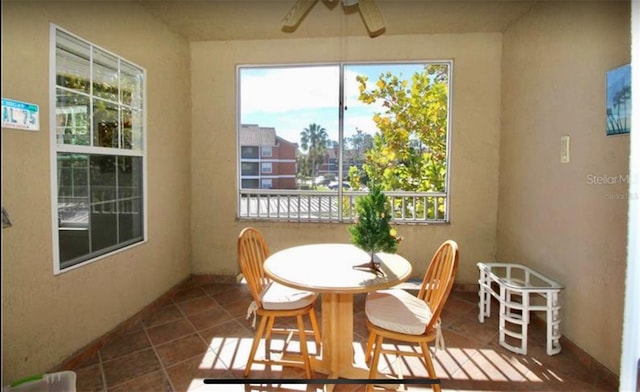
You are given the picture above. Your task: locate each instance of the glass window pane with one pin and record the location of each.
(72, 62)
(95, 219)
(131, 129)
(131, 84)
(405, 108)
(130, 198)
(105, 124)
(300, 127)
(105, 75)
(249, 152)
(72, 118)
(249, 168)
(73, 205)
(103, 196)
(250, 183)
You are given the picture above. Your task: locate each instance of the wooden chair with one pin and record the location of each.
(271, 300)
(398, 315)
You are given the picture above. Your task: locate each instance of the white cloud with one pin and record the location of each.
(286, 89)
(281, 90)
(271, 95)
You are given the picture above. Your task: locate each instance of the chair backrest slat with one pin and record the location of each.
(438, 279)
(252, 252)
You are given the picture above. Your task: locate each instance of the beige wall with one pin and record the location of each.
(475, 138)
(550, 217)
(45, 317)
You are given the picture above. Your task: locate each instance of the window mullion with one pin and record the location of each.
(341, 109)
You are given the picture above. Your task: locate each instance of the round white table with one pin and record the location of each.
(328, 269)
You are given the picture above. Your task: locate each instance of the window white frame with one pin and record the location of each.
(133, 150)
(267, 168)
(266, 183)
(273, 204)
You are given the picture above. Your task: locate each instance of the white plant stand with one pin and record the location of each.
(516, 287)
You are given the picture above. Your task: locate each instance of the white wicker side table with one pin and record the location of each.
(519, 290)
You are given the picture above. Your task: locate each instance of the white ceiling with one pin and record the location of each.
(206, 20)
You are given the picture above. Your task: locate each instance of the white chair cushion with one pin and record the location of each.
(397, 310)
(280, 297)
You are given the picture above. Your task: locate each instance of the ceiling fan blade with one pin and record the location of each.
(372, 17)
(297, 13)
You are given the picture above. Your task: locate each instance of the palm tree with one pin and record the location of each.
(314, 139)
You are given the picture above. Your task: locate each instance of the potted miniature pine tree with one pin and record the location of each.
(372, 231)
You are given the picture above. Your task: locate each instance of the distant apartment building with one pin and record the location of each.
(330, 163)
(266, 160)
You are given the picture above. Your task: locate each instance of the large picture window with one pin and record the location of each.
(333, 130)
(97, 151)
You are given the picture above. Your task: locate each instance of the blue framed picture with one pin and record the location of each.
(619, 100)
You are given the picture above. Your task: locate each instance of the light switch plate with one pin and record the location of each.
(564, 149)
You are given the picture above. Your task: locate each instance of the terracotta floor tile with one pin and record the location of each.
(181, 349)
(497, 367)
(226, 333)
(197, 305)
(191, 373)
(155, 381)
(209, 318)
(170, 331)
(183, 358)
(187, 294)
(359, 326)
(236, 293)
(134, 327)
(128, 367)
(459, 306)
(468, 296)
(164, 315)
(234, 356)
(89, 378)
(215, 288)
(125, 344)
(92, 360)
(474, 329)
(560, 366)
(237, 309)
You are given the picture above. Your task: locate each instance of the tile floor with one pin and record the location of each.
(202, 333)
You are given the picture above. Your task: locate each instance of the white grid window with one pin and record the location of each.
(97, 151)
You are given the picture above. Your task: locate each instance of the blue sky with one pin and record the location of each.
(291, 98)
(617, 79)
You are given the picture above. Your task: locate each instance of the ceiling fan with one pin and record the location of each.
(368, 10)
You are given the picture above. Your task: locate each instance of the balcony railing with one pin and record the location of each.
(331, 206)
